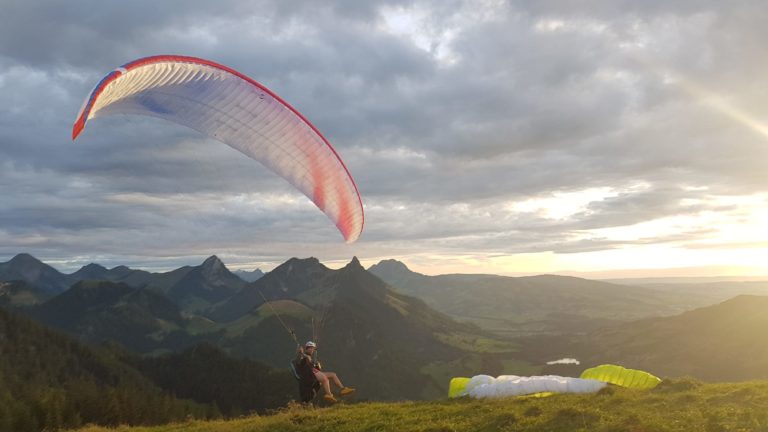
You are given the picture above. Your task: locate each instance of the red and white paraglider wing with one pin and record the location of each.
(238, 111)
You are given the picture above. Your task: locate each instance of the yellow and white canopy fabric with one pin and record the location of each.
(591, 381)
(240, 112)
(485, 386)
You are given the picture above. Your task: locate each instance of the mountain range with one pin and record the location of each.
(357, 319)
(391, 332)
(376, 338)
(509, 306)
(191, 287)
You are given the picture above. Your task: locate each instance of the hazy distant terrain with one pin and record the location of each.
(550, 304)
(249, 276)
(723, 342)
(685, 280)
(711, 292)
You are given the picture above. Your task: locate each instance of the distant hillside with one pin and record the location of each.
(534, 304)
(249, 276)
(161, 282)
(724, 342)
(97, 311)
(19, 294)
(709, 293)
(685, 280)
(192, 288)
(41, 276)
(49, 381)
(91, 271)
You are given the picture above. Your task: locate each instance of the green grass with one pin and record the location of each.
(442, 372)
(677, 405)
(519, 367)
(285, 308)
(478, 344)
(200, 325)
(398, 304)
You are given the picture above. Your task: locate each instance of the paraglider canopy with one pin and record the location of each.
(240, 112)
(590, 381)
(621, 376)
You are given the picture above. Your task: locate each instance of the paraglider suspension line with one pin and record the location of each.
(274, 311)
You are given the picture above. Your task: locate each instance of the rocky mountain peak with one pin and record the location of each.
(213, 262)
(354, 264)
(213, 267)
(35, 272)
(390, 269)
(25, 260)
(295, 265)
(91, 270)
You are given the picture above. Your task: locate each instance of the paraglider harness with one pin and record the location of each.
(308, 384)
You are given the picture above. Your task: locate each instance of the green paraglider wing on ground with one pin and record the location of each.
(621, 376)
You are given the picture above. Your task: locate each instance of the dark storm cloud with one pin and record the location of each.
(91, 33)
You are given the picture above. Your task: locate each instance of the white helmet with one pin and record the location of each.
(310, 344)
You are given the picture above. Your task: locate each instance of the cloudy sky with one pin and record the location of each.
(604, 138)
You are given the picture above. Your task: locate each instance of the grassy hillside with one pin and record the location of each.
(19, 294)
(681, 405)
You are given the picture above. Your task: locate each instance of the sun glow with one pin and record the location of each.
(722, 105)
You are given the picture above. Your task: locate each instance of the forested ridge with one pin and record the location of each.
(49, 381)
